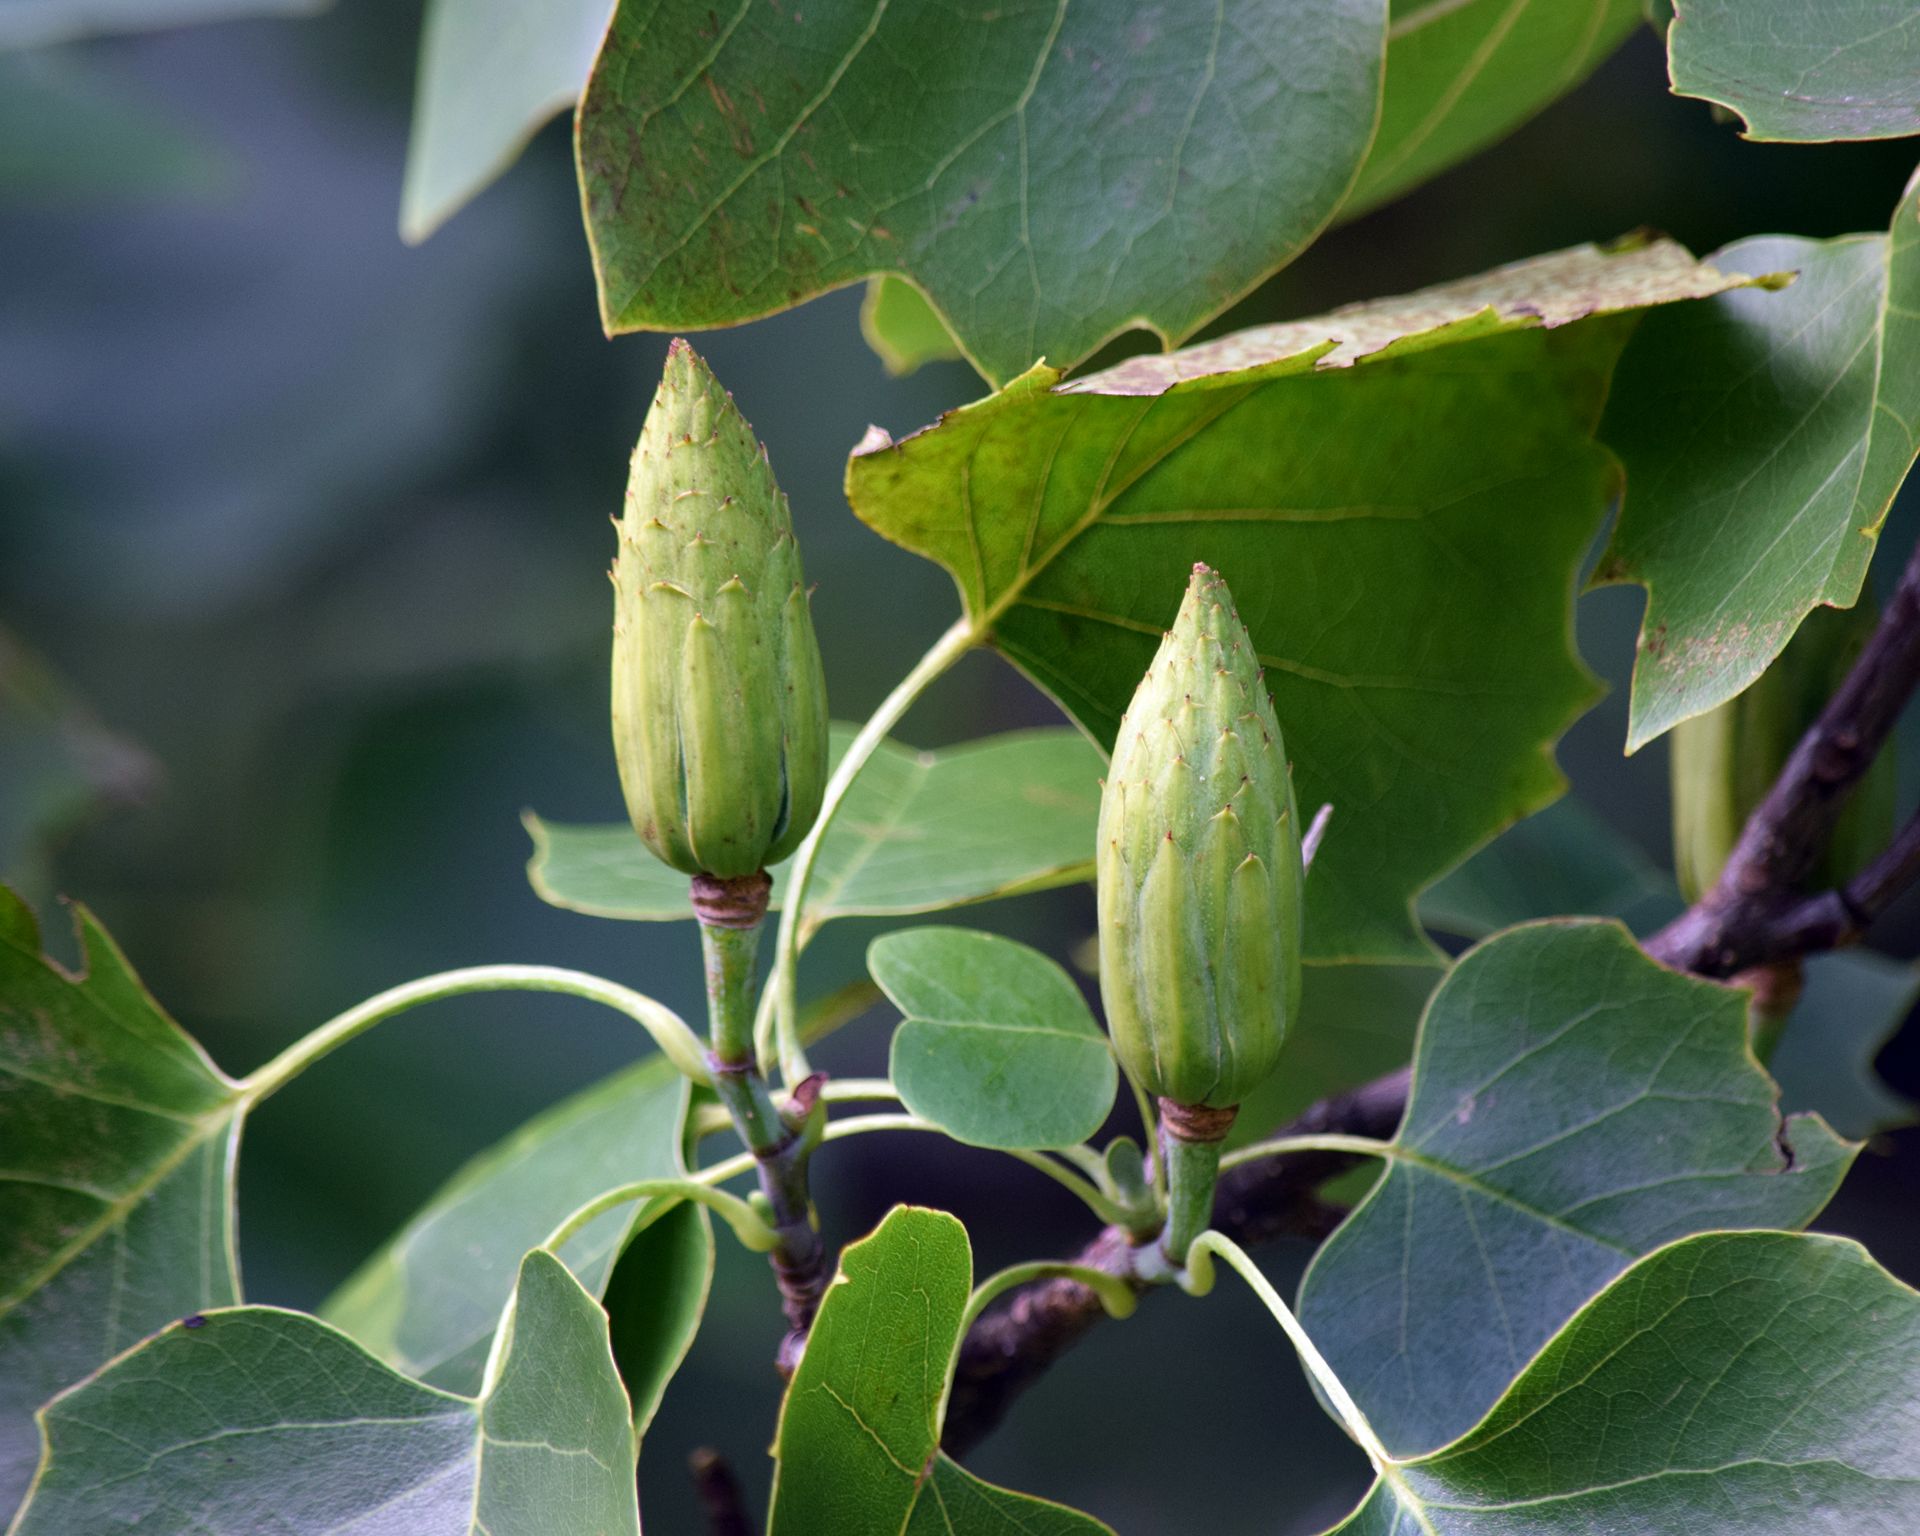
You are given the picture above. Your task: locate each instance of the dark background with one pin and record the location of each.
(316, 526)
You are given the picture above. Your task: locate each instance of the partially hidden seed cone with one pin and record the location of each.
(719, 701)
(1199, 867)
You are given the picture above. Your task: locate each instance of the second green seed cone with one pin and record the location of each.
(1199, 866)
(719, 702)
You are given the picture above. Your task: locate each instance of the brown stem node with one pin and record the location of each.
(740, 902)
(1197, 1123)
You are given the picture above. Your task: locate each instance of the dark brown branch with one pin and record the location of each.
(1014, 1344)
(1756, 913)
(722, 1503)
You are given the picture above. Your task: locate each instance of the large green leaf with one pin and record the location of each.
(254, 1420)
(491, 74)
(859, 1442)
(1805, 70)
(1574, 1105)
(997, 1046)
(1566, 862)
(1463, 73)
(918, 831)
(428, 1302)
(1401, 536)
(1758, 1382)
(735, 164)
(1764, 436)
(116, 1174)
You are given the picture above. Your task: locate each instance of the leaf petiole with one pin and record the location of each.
(777, 1030)
(669, 1031)
(1199, 1280)
(754, 1234)
(1083, 1188)
(1116, 1296)
(1360, 1146)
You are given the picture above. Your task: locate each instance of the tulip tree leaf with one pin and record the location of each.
(1566, 861)
(1574, 1105)
(919, 831)
(997, 1047)
(490, 75)
(1753, 1381)
(1463, 73)
(859, 1441)
(1838, 69)
(1764, 436)
(1386, 527)
(903, 329)
(655, 1299)
(429, 1300)
(732, 165)
(119, 1139)
(256, 1419)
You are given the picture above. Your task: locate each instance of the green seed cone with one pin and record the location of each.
(1199, 867)
(1723, 762)
(719, 702)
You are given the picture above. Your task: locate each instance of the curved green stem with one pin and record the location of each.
(743, 1162)
(845, 1090)
(1089, 1193)
(1361, 1146)
(1149, 1133)
(859, 1125)
(753, 1233)
(1085, 1159)
(1116, 1296)
(1200, 1281)
(781, 1031)
(670, 1032)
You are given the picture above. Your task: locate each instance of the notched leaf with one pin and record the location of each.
(1386, 527)
(1574, 1105)
(116, 1199)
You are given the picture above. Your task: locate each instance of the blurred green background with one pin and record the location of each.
(308, 532)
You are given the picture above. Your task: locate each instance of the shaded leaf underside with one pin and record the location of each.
(1800, 71)
(256, 1419)
(1759, 1382)
(1574, 1105)
(116, 1178)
